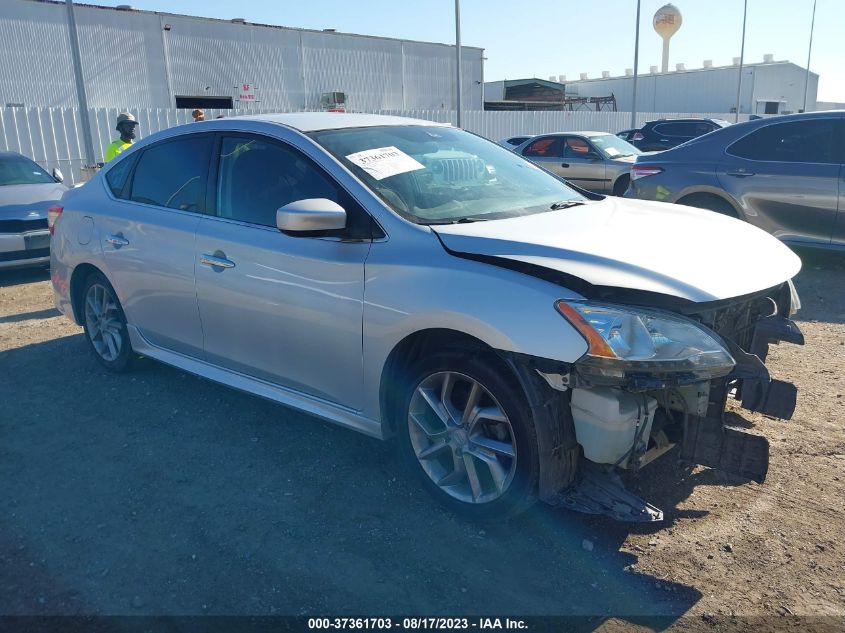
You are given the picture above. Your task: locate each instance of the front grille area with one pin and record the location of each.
(459, 169)
(736, 322)
(22, 226)
(34, 253)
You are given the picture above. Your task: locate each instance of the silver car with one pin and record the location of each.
(26, 194)
(595, 161)
(407, 279)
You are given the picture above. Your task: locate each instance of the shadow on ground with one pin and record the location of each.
(155, 492)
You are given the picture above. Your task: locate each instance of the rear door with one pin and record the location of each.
(785, 177)
(838, 238)
(547, 152)
(583, 165)
(147, 237)
(285, 308)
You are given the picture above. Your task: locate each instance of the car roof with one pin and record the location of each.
(314, 121)
(10, 154)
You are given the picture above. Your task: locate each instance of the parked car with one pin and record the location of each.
(656, 136)
(781, 174)
(26, 194)
(513, 141)
(596, 161)
(407, 279)
(627, 135)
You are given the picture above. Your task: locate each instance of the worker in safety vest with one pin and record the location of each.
(126, 125)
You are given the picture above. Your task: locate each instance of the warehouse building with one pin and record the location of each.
(142, 59)
(768, 87)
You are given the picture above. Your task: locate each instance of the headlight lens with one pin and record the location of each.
(636, 341)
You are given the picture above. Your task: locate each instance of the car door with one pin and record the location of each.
(147, 234)
(785, 177)
(584, 165)
(282, 307)
(547, 152)
(838, 238)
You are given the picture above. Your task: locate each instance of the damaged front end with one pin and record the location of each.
(655, 379)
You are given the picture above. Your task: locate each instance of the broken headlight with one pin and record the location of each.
(626, 342)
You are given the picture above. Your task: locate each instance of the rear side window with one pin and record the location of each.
(118, 176)
(678, 129)
(173, 173)
(544, 147)
(811, 141)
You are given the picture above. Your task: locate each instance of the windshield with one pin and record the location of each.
(435, 175)
(614, 147)
(19, 170)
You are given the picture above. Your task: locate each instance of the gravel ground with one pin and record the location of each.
(156, 492)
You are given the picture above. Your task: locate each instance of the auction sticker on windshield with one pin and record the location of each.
(384, 162)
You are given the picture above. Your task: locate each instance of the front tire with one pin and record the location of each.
(465, 431)
(105, 324)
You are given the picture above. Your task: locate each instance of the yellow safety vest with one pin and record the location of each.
(114, 148)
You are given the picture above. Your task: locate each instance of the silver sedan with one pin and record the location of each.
(595, 161)
(407, 279)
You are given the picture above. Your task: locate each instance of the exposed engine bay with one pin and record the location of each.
(619, 422)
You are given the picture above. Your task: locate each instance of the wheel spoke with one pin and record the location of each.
(497, 472)
(433, 450)
(472, 402)
(430, 433)
(494, 414)
(109, 339)
(455, 477)
(503, 448)
(92, 306)
(433, 401)
(472, 476)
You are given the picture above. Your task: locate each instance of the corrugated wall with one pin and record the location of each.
(53, 136)
(130, 61)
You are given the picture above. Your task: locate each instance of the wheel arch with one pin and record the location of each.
(77, 283)
(711, 192)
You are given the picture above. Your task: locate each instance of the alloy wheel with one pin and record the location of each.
(104, 322)
(462, 437)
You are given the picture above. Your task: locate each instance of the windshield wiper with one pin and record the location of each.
(565, 204)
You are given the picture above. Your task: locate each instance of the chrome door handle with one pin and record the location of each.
(564, 164)
(117, 240)
(216, 262)
(740, 173)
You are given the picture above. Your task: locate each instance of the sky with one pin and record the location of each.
(534, 38)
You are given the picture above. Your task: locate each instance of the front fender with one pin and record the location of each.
(426, 288)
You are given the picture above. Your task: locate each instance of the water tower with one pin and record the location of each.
(667, 21)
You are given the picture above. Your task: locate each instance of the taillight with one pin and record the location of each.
(641, 171)
(638, 136)
(53, 214)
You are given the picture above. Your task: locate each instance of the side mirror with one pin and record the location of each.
(313, 214)
(57, 175)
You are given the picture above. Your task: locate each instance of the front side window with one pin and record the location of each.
(438, 175)
(19, 170)
(173, 173)
(574, 147)
(812, 141)
(257, 176)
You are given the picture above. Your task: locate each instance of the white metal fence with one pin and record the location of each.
(53, 136)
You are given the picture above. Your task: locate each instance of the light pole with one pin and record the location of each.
(741, 59)
(80, 84)
(809, 52)
(636, 72)
(458, 57)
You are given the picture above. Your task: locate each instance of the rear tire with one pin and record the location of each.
(709, 202)
(621, 185)
(105, 324)
(465, 432)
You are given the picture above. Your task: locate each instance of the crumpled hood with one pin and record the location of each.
(28, 202)
(669, 249)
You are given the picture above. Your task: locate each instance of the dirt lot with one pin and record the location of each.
(156, 492)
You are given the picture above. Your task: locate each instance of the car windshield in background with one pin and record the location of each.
(434, 175)
(17, 170)
(614, 147)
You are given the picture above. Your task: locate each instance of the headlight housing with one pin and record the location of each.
(632, 341)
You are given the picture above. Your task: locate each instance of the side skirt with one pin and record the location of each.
(288, 397)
